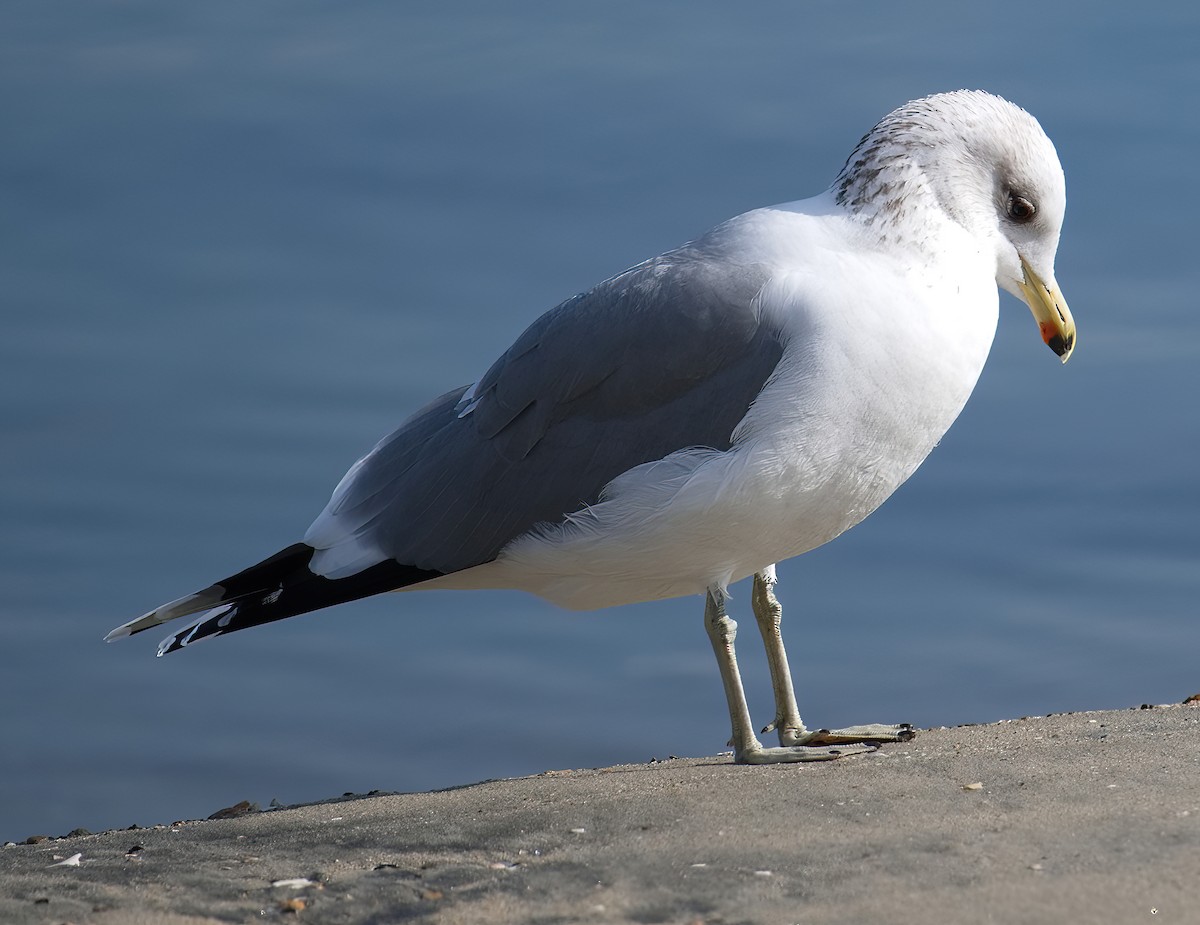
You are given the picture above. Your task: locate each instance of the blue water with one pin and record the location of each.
(239, 242)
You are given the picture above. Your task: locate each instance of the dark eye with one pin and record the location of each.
(1021, 209)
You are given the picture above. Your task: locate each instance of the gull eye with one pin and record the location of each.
(1020, 209)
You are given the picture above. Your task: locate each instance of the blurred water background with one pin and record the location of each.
(240, 242)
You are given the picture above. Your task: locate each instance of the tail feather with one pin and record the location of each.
(278, 587)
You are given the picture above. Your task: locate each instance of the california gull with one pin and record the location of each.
(729, 404)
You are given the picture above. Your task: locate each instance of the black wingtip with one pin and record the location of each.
(283, 586)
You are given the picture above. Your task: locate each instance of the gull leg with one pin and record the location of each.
(746, 748)
(787, 723)
(722, 630)
(769, 615)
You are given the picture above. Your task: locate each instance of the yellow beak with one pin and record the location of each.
(1050, 311)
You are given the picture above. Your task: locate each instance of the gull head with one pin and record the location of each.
(979, 162)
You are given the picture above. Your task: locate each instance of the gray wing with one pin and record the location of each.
(666, 356)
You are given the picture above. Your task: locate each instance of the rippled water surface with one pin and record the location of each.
(242, 241)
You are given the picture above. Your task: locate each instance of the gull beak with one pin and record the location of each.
(1050, 311)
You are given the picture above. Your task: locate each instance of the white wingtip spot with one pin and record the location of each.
(184, 637)
(119, 633)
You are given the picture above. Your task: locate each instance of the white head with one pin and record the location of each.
(990, 168)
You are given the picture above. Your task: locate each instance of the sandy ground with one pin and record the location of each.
(1085, 817)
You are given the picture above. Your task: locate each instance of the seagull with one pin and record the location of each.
(717, 409)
